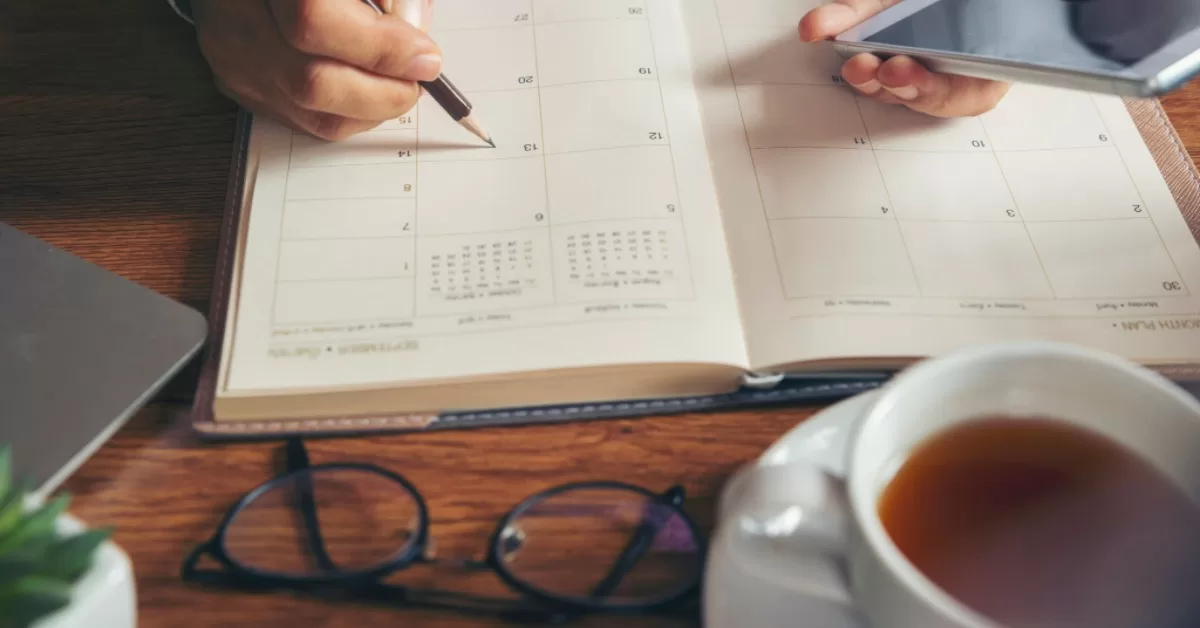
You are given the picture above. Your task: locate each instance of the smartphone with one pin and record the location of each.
(1134, 48)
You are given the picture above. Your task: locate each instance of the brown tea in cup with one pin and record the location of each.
(1037, 523)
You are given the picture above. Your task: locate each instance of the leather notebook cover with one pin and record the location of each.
(1169, 153)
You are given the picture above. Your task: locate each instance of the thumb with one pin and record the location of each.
(935, 94)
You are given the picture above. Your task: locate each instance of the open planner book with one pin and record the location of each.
(682, 194)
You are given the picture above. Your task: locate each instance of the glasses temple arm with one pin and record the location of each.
(637, 546)
(305, 502)
(633, 552)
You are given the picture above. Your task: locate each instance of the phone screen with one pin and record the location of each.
(1090, 35)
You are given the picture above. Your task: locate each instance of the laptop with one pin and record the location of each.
(81, 350)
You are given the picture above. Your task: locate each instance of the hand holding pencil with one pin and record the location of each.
(328, 68)
(456, 105)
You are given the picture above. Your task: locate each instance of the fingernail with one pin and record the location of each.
(908, 92)
(426, 67)
(870, 87)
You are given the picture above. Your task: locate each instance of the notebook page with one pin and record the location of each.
(861, 230)
(589, 236)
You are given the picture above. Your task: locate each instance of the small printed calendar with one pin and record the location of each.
(472, 273)
(475, 270)
(623, 259)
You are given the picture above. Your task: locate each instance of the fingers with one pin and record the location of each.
(901, 80)
(832, 19)
(862, 72)
(942, 95)
(355, 34)
(328, 86)
(326, 126)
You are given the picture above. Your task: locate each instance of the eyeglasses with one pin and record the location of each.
(339, 529)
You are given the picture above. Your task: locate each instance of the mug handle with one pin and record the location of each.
(783, 532)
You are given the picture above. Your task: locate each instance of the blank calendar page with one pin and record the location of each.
(589, 235)
(863, 229)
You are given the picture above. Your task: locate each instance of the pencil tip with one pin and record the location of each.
(477, 129)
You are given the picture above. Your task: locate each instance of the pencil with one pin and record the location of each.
(447, 95)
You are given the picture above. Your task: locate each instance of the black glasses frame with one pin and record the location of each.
(367, 585)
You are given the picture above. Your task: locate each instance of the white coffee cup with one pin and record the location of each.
(809, 539)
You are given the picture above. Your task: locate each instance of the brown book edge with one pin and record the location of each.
(1176, 166)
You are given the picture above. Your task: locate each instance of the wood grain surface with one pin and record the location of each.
(115, 146)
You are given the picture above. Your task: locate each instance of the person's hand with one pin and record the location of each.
(899, 80)
(329, 68)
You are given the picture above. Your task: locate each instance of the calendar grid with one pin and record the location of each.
(679, 208)
(823, 166)
(1017, 209)
(888, 209)
(775, 253)
(514, 254)
(1183, 282)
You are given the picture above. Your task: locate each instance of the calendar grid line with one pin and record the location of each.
(999, 221)
(1142, 197)
(940, 151)
(292, 201)
(679, 206)
(1017, 207)
(348, 238)
(972, 315)
(537, 85)
(349, 279)
(750, 145)
(532, 24)
(464, 332)
(452, 234)
(549, 218)
(416, 254)
(451, 315)
(458, 161)
(998, 299)
(891, 201)
(287, 173)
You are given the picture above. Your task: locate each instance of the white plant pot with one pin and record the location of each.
(106, 596)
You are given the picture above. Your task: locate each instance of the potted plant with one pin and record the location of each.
(54, 572)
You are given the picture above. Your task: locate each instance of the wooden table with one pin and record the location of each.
(114, 145)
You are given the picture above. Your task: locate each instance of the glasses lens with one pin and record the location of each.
(601, 545)
(322, 522)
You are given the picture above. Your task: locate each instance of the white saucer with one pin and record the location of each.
(822, 439)
(759, 587)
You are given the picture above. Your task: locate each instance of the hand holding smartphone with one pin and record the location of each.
(1136, 48)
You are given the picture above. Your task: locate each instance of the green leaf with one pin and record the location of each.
(24, 601)
(39, 526)
(5, 468)
(12, 506)
(71, 557)
(17, 565)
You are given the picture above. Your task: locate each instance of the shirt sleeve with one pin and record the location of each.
(183, 8)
